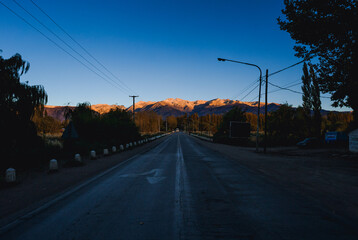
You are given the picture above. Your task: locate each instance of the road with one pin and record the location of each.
(182, 190)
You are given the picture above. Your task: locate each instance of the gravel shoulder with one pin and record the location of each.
(329, 177)
(39, 187)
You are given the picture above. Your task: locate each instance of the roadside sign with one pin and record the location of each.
(239, 129)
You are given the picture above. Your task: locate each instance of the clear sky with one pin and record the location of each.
(159, 49)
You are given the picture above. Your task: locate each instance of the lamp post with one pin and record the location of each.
(258, 105)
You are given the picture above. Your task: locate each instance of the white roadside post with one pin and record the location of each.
(53, 166)
(93, 154)
(114, 149)
(78, 158)
(105, 151)
(10, 175)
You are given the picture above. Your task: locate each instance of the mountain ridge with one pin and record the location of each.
(171, 107)
(177, 106)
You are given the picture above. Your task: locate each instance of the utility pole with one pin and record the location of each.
(166, 124)
(258, 115)
(133, 107)
(258, 105)
(266, 87)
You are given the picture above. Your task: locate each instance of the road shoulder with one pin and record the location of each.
(39, 188)
(330, 181)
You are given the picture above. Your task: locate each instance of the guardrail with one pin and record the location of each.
(201, 137)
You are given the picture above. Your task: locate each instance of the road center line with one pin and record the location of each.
(179, 190)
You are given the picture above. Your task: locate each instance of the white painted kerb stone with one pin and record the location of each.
(10, 175)
(53, 165)
(78, 157)
(105, 151)
(93, 154)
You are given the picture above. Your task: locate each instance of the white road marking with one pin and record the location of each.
(157, 175)
(180, 175)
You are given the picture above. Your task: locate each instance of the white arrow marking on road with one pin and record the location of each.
(152, 180)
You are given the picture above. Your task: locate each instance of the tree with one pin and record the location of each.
(306, 90)
(194, 122)
(17, 105)
(281, 125)
(316, 103)
(325, 28)
(44, 123)
(235, 114)
(172, 122)
(311, 100)
(95, 130)
(147, 121)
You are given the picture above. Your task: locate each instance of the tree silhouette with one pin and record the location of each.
(306, 90)
(235, 114)
(18, 102)
(316, 103)
(325, 28)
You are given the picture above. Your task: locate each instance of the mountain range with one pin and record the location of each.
(178, 107)
(172, 107)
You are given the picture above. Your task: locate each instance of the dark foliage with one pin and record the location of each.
(326, 29)
(222, 135)
(17, 105)
(97, 131)
(284, 126)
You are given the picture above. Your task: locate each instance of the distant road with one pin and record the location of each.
(182, 190)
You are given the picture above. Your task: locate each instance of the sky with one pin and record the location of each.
(157, 49)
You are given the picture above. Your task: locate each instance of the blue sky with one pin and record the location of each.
(160, 49)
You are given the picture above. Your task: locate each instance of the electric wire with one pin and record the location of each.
(59, 38)
(250, 92)
(80, 45)
(282, 88)
(245, 89)
(286, 87)
(271, 74)
(57, 45)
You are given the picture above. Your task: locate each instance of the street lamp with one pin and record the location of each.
(258, 105)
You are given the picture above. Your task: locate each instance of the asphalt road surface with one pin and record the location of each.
(181, 190)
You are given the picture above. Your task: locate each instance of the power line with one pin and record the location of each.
(271, 74)
(64, 42)
(246, 89)
(283, 69)
(89, 54)
(289, 86)
(249, 92)
(286, 87)
(282, 88)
